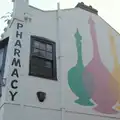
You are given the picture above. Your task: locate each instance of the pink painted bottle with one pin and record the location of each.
(103, 95)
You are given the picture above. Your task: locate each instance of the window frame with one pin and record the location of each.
(45, 41)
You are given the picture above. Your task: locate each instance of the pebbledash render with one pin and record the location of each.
(59, 65)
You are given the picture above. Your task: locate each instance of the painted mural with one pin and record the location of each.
(76, 79)
(93, 84)
(116, 69)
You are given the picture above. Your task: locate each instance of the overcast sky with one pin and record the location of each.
(107, 9)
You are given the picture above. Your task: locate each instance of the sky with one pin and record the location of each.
(107, 9)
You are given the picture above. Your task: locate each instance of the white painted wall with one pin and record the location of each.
(44, 24)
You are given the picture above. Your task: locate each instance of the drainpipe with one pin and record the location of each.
(59, 58)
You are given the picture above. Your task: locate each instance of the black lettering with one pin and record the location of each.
(13, 84)
(19, 34)
(15, 72)
(16, 52)
(18, 43)
(16, 62)
(19, 25)
(13, 95)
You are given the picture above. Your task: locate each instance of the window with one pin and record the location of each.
(3, 50)
(42, 58)
(1, 57)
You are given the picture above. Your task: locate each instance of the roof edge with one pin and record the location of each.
(87, 8)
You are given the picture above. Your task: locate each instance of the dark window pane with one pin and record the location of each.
(49, 55)
(37, 61)
(34, 61)
(42, 53)
(49, 48)
(47, 72)
(36, 44)
(36, 51)
(41, 71)
(48, 64)
(34, 69)
(1, 57)
(42, 58)
(42, 46)
(40, 63)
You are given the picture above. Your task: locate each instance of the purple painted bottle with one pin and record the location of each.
(103, 95)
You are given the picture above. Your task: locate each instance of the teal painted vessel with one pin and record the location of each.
(76, 76)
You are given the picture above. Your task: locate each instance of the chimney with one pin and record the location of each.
(87, 8)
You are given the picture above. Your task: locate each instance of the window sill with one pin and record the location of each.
(40, 76)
